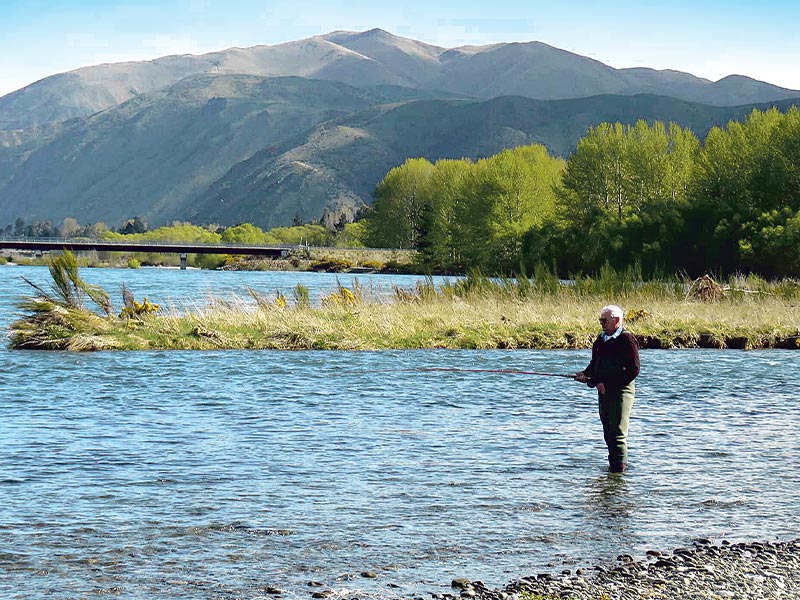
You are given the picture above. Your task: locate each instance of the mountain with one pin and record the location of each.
(376, 57)
(153, 154)
(85, 91)
(268, 133)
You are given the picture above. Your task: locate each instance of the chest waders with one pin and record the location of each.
(615, 412)
(616, 403)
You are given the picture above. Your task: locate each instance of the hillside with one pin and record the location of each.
(154, 154)
(339, 163)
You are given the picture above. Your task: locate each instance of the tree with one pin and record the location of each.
(398, 207)
(746, 176)
(624, 193)
(69, 227)
(245, 233)
(442, 234)
(770, 244)
(134, 225)
(95, 230)
(521, 196)
(41, 229)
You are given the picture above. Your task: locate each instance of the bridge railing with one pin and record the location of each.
(101, 242)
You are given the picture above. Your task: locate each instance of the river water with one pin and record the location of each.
(220, 474)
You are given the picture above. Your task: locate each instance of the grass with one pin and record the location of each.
(474, 313)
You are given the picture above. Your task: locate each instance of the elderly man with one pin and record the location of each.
(612, 370)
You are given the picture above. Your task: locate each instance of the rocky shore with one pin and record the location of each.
(739, 571)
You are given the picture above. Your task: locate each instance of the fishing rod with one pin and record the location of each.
(505, 371)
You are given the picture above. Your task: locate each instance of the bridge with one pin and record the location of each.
(183, 249)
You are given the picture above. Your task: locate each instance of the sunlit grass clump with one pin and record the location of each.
(474, 312)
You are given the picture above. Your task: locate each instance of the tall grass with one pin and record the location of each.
(474, 312)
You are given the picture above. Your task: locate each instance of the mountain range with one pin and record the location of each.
(273, 133)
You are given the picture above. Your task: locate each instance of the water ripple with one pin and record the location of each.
(212, 474)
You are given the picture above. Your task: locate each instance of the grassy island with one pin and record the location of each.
(473, 313)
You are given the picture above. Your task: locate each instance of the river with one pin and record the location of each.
(221, 474)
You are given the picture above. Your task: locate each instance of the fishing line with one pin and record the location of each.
(458, 370)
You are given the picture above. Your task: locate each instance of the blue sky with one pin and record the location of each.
(709, 39)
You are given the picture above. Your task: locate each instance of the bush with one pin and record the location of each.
(331, 265)
(373, 264)
(302, 296)
(211, 261)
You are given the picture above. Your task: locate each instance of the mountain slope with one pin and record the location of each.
(338, 164)
(152, 155)
(533, 70)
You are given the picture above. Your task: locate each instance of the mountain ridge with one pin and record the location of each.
(375, 57)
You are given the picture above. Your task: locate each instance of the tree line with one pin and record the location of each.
(651, 195)
(340, 234)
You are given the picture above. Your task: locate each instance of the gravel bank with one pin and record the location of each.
(741, 571)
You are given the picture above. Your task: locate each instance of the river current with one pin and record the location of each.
(222, 474)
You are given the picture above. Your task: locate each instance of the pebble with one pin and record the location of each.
(763, 570)
(272, 591)
(461, 583)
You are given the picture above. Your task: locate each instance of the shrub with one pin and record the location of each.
(373, 264)
(331, 265)
(302, 296)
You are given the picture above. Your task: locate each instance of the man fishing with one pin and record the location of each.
(612, 370)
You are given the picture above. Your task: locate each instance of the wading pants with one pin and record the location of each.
(615, 411)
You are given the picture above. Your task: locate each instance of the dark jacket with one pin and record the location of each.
(615, 363)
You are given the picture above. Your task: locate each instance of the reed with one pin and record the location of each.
(474, 312)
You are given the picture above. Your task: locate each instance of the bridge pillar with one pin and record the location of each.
(184, 258)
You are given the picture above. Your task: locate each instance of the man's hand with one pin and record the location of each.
(601, 388)
(581, 376)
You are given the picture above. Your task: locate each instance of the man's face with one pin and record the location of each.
(608, 323)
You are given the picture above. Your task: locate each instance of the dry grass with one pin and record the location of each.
(474, 313)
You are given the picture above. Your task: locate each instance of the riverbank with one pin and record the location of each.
(471, 313)
(298, 258)
(742, 571)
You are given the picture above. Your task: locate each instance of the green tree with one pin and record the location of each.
(442, 233)
(745, 171)
(245, 233)
(521, 197)
(770, 244)
(399, 204)
(311, 234)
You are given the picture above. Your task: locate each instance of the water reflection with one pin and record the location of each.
(609, 496)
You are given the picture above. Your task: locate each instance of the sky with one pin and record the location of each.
(39, 38)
